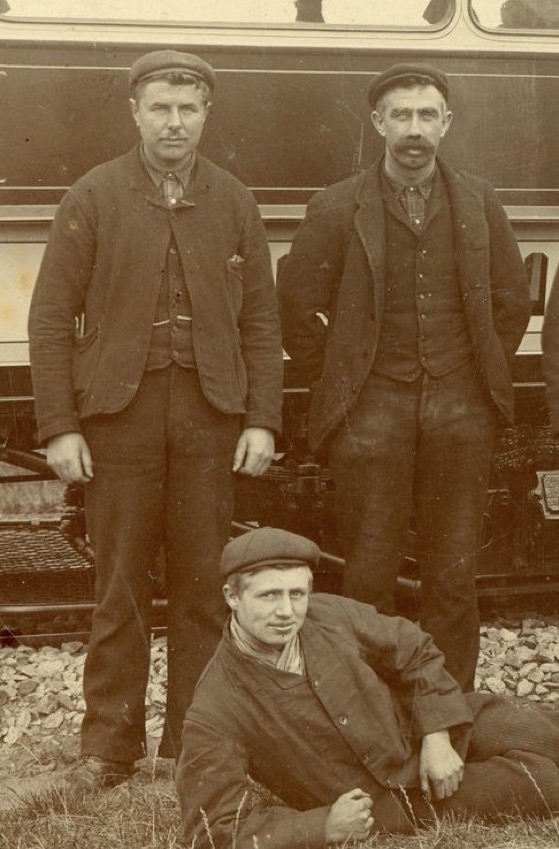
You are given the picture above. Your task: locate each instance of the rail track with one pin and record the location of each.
(47, 582)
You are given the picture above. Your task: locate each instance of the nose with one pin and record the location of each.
(415, 126)
(284, 607)
(174, 118)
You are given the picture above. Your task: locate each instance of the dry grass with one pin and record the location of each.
(143, 814)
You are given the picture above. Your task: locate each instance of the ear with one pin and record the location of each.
(378, 122)
(134, 110)
(447, 120)
(231, 597)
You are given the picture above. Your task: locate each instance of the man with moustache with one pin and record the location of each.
(172, 384)
(415, 267)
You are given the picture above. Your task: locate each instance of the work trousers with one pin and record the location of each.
(162, 479)
(511, 768)
(417, 451)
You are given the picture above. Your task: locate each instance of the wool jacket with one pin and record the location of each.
(377, 681)
(336, 268)
(102, 269)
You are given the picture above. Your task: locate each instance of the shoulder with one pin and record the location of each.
(341, 196)
(104, 180)
(329, 610)
(464, 180)
(105, 171)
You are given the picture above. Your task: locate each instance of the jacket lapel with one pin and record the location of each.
(468, 218)
(370, 227)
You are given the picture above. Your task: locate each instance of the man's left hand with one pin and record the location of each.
(254, 452)
(441, 769)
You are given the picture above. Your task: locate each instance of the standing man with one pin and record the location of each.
(172, 383)
(415, 268)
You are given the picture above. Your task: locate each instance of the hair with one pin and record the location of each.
(237, 580)
(174, 78)
(409, 81)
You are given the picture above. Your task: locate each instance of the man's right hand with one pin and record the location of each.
(69, 457)
(349, 817)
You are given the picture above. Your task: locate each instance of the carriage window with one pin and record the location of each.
(516, 14)
(368, 13)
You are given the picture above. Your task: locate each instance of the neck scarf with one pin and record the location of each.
(289, 659)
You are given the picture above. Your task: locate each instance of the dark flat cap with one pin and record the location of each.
(164, 61)
(268, 547)
(400, 74)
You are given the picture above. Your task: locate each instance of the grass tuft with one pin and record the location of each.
(144, 814)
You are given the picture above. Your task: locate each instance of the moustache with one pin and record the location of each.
(415, 144)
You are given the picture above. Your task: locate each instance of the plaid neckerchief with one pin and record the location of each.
(413, 199)
(290, 659)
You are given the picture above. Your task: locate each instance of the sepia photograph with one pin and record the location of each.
(279, 424)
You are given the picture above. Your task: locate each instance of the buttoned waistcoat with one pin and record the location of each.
(337, 267)
(104, 260)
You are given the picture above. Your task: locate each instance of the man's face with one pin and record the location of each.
(272, 604)
(170, 119)
(412, 121)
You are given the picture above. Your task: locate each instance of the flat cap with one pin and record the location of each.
(399, 74)
(166, 61)
(268, 547)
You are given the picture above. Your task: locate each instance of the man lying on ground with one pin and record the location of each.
(347, 715)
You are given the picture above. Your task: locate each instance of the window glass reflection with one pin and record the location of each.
(411, 13)
(517, 14)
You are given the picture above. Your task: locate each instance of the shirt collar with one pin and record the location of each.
(398, 188)
(157, 174)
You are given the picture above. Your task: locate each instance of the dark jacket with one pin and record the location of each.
(550, 349)
(382, 685)
(337, 267)
(105, 257)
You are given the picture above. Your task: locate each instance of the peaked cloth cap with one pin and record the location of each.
(268, 547)
(161, 62)
(399, 74)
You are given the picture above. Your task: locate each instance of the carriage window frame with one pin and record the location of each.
(286, 27)
(514, 32)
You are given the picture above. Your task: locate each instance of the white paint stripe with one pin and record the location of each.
(287, 71)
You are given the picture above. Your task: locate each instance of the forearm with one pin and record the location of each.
(215, 796)
(57, 302)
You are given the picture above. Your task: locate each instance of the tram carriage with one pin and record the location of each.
(289, 117)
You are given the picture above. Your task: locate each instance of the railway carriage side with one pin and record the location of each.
(290, 117)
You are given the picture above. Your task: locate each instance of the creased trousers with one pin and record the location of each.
(162, 479)
(511, 768)
(418, 452)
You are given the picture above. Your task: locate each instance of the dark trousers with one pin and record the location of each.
(418, 450)
(511, 768)
(162, 477)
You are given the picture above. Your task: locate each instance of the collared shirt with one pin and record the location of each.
(413, 199)
(173, 183)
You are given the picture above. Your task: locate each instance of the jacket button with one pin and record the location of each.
(342, 720)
